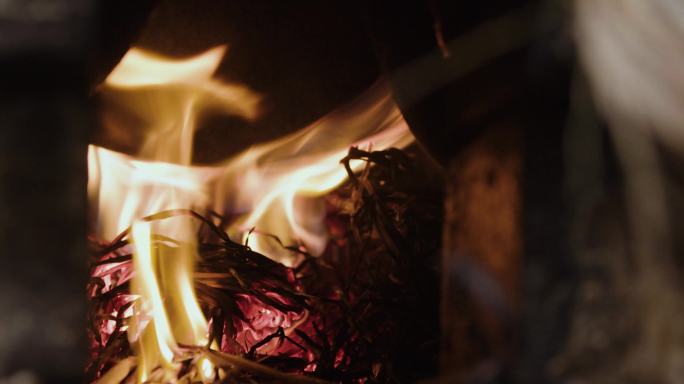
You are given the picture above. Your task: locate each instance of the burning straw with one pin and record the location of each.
(363, 311)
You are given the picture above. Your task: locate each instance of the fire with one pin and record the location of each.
(156, 343)
(279, 184)
(125, 190)
(274, 188)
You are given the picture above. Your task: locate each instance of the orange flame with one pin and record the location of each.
(277, 186)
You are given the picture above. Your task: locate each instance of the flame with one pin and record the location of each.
(279, 184)
(276, 187)
(168, 95)
(156, 345)
(206, 370)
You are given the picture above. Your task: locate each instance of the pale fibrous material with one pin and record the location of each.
(274, 188)
(631, 53)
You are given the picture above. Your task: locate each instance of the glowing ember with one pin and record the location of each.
(275, 188)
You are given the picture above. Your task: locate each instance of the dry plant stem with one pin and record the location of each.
(230, 361)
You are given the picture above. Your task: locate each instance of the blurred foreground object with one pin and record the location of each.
(45, 120)
(626, 326)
